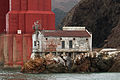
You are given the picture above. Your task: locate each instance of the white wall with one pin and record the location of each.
(37, 48)
(79, 44)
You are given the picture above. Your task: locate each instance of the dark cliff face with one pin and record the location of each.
(113, 39)
(99, 17)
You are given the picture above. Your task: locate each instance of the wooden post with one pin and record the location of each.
(73, 55)
(56, 53)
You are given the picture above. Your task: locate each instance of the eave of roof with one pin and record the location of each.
(66, 33)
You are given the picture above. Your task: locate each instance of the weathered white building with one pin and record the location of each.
(70, 39)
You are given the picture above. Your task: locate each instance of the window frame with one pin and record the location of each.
(63, 44)
(70, 44)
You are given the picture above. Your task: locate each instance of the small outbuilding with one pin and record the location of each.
(68, 40)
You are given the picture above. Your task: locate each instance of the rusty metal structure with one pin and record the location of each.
(16, 22)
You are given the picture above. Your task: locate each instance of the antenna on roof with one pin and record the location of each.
(37, 25)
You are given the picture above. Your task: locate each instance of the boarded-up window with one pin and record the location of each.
(63, 44)
(70, 44)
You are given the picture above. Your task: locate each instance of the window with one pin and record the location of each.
(70, 44)
(34, 43)
(63, 44)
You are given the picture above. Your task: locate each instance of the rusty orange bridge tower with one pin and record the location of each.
(16, 20)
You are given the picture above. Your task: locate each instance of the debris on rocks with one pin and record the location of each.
(103, 61)
(49, 59)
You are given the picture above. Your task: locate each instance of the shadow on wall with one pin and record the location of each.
(4, 8)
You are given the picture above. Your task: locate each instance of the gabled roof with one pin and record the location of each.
(61, 33)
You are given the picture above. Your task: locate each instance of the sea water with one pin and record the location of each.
(16, 75)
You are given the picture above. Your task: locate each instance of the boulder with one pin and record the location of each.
(104, 65)
(84, 66)
(55, 68)
(115, 67)
(34, 66)
(49, 58)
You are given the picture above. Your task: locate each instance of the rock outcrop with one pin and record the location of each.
(100, 17)
(116, 66)
(103, 62)
(113, 39)
(34, 66)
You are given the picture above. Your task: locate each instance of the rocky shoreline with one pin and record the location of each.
(103, 61)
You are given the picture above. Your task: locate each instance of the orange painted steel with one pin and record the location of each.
(21, 15)
(29, 11)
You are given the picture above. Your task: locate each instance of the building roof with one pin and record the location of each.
(66, 33)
